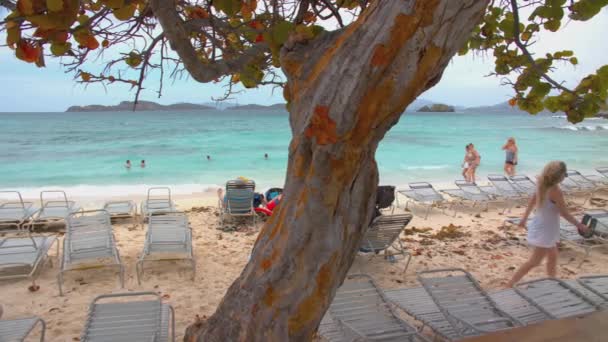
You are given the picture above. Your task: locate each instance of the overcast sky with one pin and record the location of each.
(25, 88)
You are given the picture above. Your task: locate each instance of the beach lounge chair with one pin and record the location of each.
(19, 329)
(169, 237)
(598, 285)
(469, 309)
(24, 257)
(122, 210)
(133, 316)
(556, 298)
(157, 200)
(524, 184)
(53, 210)
(507, 190)
(601, 180)
(577, 183)
(15, 212)
(424, 194)
(417, 303)
(383, 234)
(89, 243)
(238, 200)
(361, 312)
(468, 192)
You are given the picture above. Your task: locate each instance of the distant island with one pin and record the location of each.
(276, 106)
(436, 108)
(126, 106)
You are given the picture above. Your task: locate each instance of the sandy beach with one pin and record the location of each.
(476, 241)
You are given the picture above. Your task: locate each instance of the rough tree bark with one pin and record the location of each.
(346, 89)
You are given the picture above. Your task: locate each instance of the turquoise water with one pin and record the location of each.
(85, 152)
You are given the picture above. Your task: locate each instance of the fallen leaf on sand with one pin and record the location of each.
(166, 296)
(497, 257)
(458, 251)
(33, 288)
(510, 268)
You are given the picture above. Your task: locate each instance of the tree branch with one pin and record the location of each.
(524, 50)
(178, 36)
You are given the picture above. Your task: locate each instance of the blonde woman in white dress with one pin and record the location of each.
(543, 230)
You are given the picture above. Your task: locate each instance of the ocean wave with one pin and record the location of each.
(113, 191)
(423, 167)
(584, 128)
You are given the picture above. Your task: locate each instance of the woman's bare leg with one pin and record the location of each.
(535, 259)
(552, 262)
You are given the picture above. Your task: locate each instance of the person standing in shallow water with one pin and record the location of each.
(208, 157)
(142, 164)
(128, 165)
(511, 150)
(543, 231)
(265, 155)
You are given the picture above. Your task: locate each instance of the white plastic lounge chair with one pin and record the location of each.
(53, 210)
(383, 235)
(469, 309)
(24, 257)
(89, 243)
(577, 183)
(524, 184)
(157, 200)
(417, 303)
(122, 210)
(19, 329)
(361, 312)
(169, 237)
(598, 285)
(469, 192)
(134, 316)
(556, 298)
(238, 200)
(507, 190)
(15, 212)
(570, 235)
(424, 194)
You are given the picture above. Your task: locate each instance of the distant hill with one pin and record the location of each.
(503, 107)
(141, 106)
(276, 106)
(436, 108)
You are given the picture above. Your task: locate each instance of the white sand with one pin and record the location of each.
(220, 257)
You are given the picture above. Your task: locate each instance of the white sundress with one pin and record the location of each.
(543, 230)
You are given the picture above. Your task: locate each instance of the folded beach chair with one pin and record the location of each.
(383, 234)
(122, 210)
(507, 190)
(157, 200)
(53, 210)
(23, 257)
(89, 243)
(361, 312)
(424, 194)
(598, 285)
(169, 237)
(238, 200)
(134, 316)
(19, 329)
(601, 180)
(469, 309)
(556, 298)
(524, 184)
(15, 212)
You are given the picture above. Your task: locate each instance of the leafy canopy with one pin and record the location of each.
(240, 40)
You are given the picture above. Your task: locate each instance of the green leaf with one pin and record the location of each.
(280, 32)
(574, 61)
(230, 7)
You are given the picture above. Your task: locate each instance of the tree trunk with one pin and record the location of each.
(346, 89)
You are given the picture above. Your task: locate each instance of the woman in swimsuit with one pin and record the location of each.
(543, 231)
(472, 158)
(465, 165)
(510, 149)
